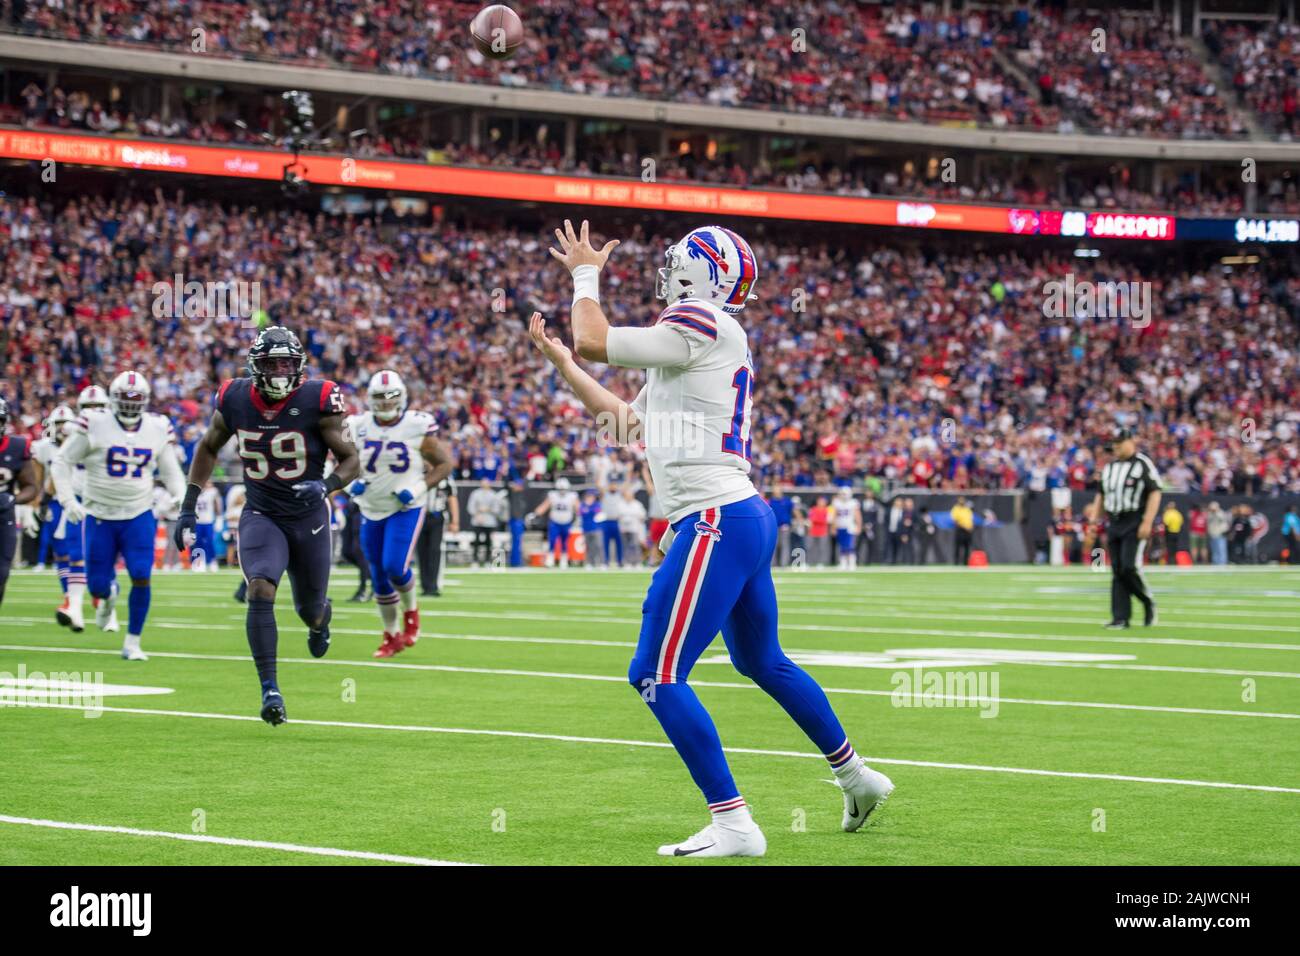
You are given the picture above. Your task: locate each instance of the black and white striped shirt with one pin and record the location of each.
(1126, 482)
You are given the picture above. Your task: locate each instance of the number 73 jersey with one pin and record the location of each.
(391, 460)
(280, 443)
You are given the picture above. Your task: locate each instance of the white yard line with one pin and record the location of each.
(734, 685)
(230, 841)
(660, 745)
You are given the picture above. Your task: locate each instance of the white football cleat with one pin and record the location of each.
(106, 611)
(131, 650)
(864, 793)
(715, 840)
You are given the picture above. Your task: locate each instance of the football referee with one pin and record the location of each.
(1130, 495)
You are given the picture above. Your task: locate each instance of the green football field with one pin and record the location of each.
(1016, 729)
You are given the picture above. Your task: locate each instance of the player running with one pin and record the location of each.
(561, 506)
(65, 544)
(285, 426)
(121, 448)
(395, 444)
(716, 572)
(18, 486)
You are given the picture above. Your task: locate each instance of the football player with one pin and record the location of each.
(848, 525)
(285, 426)
(395, 445)
(716, 573)
(561, 505)
(122, 448)
(18, 486)
(65, 538)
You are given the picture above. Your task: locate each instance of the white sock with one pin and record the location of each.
(388, 613)
(737, 819)
(410, 598)
(75, 594)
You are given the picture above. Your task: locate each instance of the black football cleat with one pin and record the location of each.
(273, 707)
(1151, 617)
(241, 592)
(1116, 625)
(318, 638)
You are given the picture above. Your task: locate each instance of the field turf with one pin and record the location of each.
(509, 735)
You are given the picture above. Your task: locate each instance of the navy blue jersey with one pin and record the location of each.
(14, 452)
(280, 443)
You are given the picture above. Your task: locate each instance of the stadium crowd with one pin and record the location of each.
(897, 62)
(809, 171)
(938, 368)
(1264, 63)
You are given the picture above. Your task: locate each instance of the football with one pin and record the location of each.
(497, 31)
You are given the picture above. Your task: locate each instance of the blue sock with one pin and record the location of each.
(138, 605)
(690, 729)
(262, 639)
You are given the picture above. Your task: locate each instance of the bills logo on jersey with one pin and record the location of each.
(705, 528)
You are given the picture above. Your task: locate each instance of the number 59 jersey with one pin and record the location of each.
(391, 460)
(279, 443)
(695, 418)
(120, 463)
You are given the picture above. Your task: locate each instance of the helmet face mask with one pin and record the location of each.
(128, 396)
(56, 425)
(277, 363)
(386, 396)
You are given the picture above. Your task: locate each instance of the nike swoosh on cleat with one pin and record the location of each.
(680, 852)
(853, 810)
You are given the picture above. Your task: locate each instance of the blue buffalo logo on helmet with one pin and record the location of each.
(711, 263)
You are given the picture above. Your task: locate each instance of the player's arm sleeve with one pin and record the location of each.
(169, 467)
(659, 346)
(71, 452)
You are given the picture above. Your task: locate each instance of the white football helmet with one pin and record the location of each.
(710, 263)
(92, 396)
(54, 425)
(128, 396)
(386, 395)
(562, 484)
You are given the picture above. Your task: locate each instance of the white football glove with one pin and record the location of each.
(32, 523)
(165, 504)
(73, 511)
(666, 539)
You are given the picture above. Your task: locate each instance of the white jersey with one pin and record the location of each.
(120, 463)
(846, 513)
(564, 506)
(205, 506)
(391, 460)
(695, 418)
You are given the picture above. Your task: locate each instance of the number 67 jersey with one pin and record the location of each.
(279, 443)
(695, 418)
(120, 462)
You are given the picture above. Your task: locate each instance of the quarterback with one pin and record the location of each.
(121, 448)
(395, 445)
(716, 573)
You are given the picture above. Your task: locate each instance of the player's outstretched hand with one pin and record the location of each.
(313, 491)
(578, 250)
(555, 351)
(185, 534)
